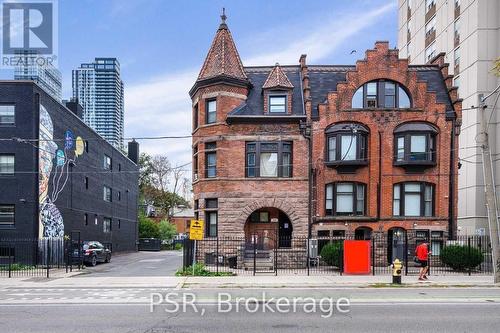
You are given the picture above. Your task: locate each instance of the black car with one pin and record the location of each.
(94, 252)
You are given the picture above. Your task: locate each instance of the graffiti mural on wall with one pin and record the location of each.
(54, 164)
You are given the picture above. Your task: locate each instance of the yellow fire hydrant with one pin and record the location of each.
(397, 267)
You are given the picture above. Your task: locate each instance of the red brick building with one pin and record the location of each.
(383, 146)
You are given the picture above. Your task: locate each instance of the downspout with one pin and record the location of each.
(451, 196)
(36, 201)
(379, 190)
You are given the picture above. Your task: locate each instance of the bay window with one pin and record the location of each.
(413, 199)
(269, 159)
(415, 144)
(346, 143)
(345, 199)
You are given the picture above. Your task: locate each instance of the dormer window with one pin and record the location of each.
(381, 94)
(277, 103)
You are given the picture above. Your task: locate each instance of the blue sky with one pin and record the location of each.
(162, 44)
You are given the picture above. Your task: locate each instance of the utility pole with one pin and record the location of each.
(489, 188)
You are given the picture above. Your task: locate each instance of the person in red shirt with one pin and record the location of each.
(422, 253)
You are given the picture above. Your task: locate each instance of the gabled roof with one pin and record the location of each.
(222, 58)
(277, 79)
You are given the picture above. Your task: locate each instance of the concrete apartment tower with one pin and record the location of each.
(99, 89)
(468, 32)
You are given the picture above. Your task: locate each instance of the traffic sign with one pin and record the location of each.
(196, 230)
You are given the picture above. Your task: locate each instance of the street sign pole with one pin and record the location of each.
(194, 255)
(196, 233)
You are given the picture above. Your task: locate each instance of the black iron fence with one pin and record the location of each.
(27, 257)
(305, 256)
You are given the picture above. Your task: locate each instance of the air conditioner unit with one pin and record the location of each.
(371, 102)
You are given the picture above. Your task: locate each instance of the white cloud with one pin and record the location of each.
(162, 106)
(323, 41)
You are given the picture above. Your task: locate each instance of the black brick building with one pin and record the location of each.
(58, 176)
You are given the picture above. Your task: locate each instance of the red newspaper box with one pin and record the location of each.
(357, 257)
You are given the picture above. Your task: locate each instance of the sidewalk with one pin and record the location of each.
(345, 281)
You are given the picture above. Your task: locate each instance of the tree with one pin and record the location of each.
(145, 171)
(148, 228)
(496, 67)
(167, 230)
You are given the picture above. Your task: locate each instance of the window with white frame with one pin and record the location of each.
(430, 26)
(107, 194)
(7, 215)
(7, 164)
(430, 52)
(7, 114)
(106, 225)
(277, 103)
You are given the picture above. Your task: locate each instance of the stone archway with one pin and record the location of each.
(295, 217)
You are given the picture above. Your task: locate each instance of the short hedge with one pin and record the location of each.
(331, 253)
(461, 258)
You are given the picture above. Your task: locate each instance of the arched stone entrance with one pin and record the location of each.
(269, 227)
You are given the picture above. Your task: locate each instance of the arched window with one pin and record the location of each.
(363, 233)
(381, 94)
(346, 143)
(415, 144)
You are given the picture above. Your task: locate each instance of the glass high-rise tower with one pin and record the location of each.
(45, 75)
(99, 89)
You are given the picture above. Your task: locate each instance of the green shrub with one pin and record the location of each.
(331, 253)
(461, 258)
(148, 228)
(167, 230)
(200, 270)
(178, 246)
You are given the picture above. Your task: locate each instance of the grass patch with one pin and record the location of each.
(200, 270)
(17, 267)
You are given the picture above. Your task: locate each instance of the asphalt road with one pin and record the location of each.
(144, 263)
(76, 309)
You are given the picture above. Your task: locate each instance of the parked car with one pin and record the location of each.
(94, 252)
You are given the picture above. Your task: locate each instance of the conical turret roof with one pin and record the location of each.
(222, 58)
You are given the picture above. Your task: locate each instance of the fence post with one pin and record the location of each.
(10, 260)
(66, 251)
(48, 257)
(373, 255)
(217, 254)
(406, 253)
(308, 255)
(342, 258)
(468, 253)
(275, 264)
(254, 253)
